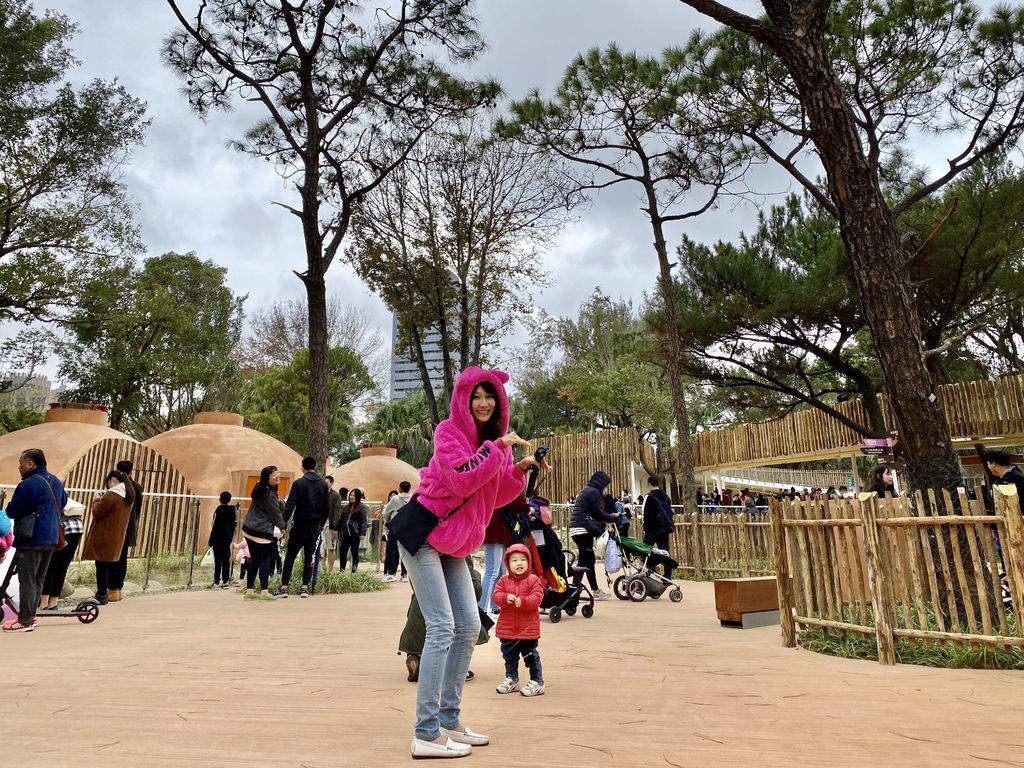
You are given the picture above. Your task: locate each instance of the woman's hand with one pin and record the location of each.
(529, 461)
(511, 438)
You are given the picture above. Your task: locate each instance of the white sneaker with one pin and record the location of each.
(467, 736)
(405, 578)
(533, 688)
(508, 685)
(428, 749)
(599, 595)
(389, 578)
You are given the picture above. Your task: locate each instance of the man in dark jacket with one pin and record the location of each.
(589, 516)
(1005, 471)
(658, 520)
(120, 570)
(41, 496)
(309, 502)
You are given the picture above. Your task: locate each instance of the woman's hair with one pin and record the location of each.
(264, 483)
(129, 488)
(878, 484)
(225, 497)
(491, 429)
(358, 495)
(392, 494)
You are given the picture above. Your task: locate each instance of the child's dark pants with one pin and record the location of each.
(511, 650)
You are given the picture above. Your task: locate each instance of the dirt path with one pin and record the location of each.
(205, 679)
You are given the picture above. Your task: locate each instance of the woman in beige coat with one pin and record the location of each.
(110, 513)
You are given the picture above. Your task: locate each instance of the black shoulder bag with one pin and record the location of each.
(412, 524)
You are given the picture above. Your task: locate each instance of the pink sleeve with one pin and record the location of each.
(460, 471)
(536, 596)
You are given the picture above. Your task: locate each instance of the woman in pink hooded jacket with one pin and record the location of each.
(473, 466)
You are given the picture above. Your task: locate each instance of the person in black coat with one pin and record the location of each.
(588, 520)
(222, 533)
(658, 521)
(309, 502)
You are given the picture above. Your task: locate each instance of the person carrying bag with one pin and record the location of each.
(471, 473)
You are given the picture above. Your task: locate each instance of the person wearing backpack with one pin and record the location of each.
(658, 521)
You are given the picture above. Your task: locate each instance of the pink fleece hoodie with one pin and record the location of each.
(463, 468)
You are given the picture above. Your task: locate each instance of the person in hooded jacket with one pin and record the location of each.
(519, 593)
(471, 473)
(658, 520)
(589, 516)
(104, 543)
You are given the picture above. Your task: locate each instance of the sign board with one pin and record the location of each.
(876, 446)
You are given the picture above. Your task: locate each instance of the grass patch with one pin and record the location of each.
(336, 583)
(925, 653)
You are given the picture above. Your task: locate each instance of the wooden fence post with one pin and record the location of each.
(741, 532)
(783, 582)
(878, 577)
(697, 555)
(1008, 507)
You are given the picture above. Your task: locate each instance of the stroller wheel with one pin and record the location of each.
(587, 611)
(676, 595)
(570, 611)
(637, 589)
(654, 596)
(619, 588)
(555, 614)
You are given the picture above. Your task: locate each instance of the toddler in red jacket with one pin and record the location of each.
(519, 594)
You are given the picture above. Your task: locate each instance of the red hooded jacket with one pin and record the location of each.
(522, 623)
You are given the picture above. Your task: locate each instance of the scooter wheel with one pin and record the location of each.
(87, 614)
(619, 588)
(555, 614)
(676, 595)
(587, 611)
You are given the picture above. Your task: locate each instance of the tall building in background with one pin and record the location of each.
(405, 375)
(33, 393)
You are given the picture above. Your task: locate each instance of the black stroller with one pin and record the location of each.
(559, 594)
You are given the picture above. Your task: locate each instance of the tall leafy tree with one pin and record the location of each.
(349, 87)
(621, 119)
(276, 401)
(65, 218)
(405, 423)
(854, 84)
(452, 241)
(155, 344)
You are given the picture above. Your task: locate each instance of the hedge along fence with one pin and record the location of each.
(926, 568)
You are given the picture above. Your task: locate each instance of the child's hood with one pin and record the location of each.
(462, 395)
(522, 550)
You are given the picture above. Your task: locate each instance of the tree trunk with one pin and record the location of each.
(674, 349)
(877, 258)
(316, 299)
(446, 355)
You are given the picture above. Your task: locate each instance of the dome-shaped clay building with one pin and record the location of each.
(81, 449)
(377, 471)
(217, 453)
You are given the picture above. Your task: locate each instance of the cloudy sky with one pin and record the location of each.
(195, 194)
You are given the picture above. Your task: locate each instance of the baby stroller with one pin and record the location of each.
(559, 595)
(639, 579)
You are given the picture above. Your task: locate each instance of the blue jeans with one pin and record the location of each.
(494, 566)
(444, 589)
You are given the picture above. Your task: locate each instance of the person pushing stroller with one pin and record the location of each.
(519, 594)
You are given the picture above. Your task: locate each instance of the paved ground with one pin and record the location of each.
(205, 679)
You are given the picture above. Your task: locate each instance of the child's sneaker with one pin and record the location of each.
(508, 685)
(304, 592)
(533, 688)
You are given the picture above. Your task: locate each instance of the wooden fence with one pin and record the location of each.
(926, 569)
(978, 411)
(721, 544)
